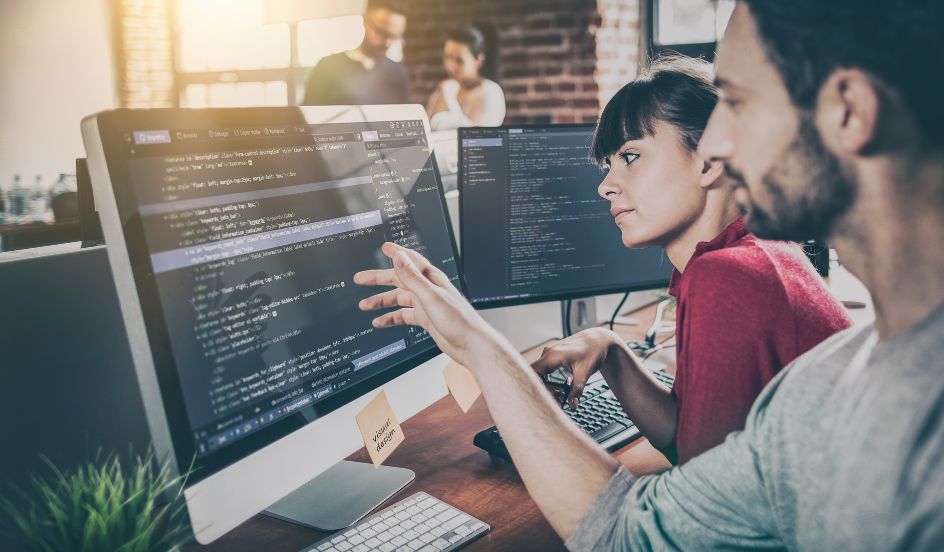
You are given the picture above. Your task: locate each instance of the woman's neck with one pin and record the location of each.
(706, 227)
(471, 84)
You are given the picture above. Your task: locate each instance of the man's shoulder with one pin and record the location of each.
(389, 66)
(334, 62)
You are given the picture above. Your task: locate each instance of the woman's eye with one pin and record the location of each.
(628, 158)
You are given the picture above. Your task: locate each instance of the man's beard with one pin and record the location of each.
(813, 210)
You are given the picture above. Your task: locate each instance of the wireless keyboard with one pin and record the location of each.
(420, 523)
(599, 414)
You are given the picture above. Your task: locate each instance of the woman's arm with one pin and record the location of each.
(647, 402)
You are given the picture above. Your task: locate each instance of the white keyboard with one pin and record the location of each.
(419, 523)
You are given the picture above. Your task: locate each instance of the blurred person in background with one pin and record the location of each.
(364, 75)
(469, 97)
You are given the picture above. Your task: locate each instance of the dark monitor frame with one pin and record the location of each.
(589, 291)
(111, 125)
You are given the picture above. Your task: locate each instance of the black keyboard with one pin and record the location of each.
(599, 414)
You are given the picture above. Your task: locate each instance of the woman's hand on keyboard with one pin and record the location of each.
(582, 354)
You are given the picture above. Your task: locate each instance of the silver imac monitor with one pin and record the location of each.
(233, 235)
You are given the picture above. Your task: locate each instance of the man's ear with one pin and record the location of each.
(848, 112)
(711, 171)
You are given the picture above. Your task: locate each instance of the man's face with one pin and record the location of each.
(789, 185)
(382, 28)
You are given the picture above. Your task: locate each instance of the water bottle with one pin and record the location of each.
(16, 201)
(38, 207)
(61, 186)
(3, 204)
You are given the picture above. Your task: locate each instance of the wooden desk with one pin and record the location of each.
(439, 449)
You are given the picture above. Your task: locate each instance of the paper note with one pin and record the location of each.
(379, 428)
(462, 385)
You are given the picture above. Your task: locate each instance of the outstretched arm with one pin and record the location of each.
(563, 469)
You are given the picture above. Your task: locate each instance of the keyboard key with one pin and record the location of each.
(418, 524)
(605, 432)
(451, 524)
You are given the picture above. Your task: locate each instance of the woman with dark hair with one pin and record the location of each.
(746, 307)
(469, 97)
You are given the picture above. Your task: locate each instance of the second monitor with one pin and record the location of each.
(532, 225)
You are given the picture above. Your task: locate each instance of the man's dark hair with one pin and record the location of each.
(896, 41)
(675, 90)
(394, 6)
(481, 40)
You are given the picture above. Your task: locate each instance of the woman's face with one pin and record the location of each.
(654, 188)
(459, 62)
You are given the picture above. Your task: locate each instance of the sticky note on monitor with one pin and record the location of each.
(380, 429)
(462, 385)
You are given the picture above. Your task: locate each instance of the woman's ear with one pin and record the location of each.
(711, 171)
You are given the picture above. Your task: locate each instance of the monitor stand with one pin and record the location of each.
(341, 495)
(578, 315)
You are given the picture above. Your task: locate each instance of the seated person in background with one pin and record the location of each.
(468, 97)
(746, 307)
(364, 75)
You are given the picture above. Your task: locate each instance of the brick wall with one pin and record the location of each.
(560, 60)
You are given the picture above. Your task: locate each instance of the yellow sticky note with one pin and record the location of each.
(462, 385)
(380, 429)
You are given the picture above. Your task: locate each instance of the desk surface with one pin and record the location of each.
(439, 449)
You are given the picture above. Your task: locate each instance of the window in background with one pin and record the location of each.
(228, 56)
(689, 27)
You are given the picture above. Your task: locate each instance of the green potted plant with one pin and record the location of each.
(101, 506)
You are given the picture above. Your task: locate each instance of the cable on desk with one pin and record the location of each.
(567, 318)
(617, 309)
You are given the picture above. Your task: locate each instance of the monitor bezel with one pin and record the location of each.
(155, 365)
(544, 297)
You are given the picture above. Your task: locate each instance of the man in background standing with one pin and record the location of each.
(364, 75)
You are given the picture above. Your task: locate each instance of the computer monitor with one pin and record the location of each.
(233, 235)
(532, 226)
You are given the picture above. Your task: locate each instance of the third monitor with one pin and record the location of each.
(533, 227)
